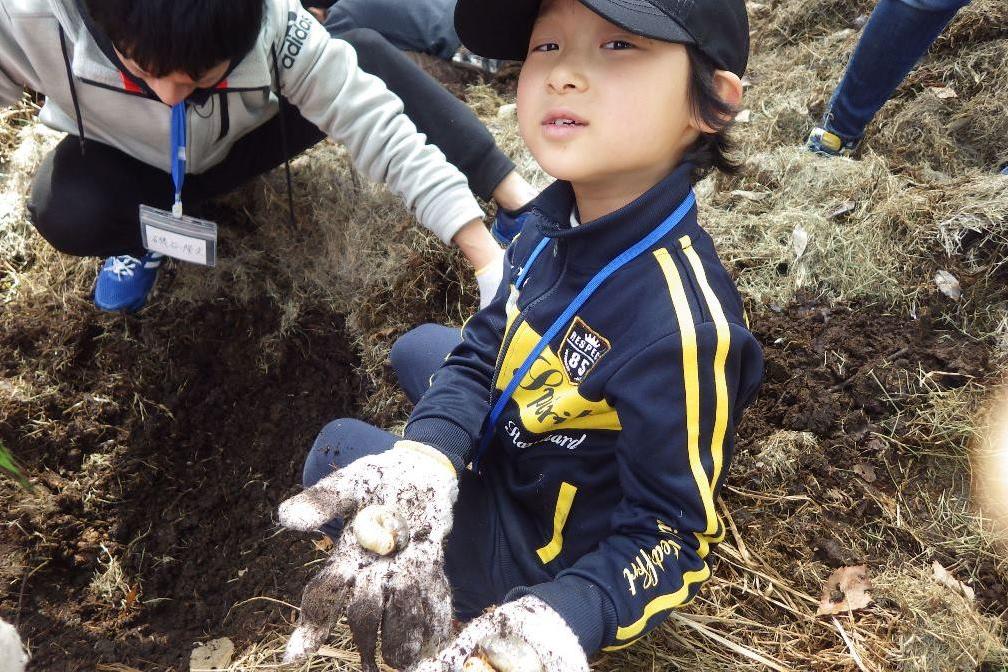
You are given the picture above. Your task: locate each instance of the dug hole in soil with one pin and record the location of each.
(206, 444)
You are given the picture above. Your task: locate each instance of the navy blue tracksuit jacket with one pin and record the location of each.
(607, 461)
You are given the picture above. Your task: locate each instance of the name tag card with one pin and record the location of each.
(185, 238)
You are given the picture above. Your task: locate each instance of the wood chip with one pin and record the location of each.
(944, 92)
(214, 655)
(843, 209)
(865, 471)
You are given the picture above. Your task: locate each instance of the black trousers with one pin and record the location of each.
(86, 205)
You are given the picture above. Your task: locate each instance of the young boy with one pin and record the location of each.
(253, 83)
(590, 510)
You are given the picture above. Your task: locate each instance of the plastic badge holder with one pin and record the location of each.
(186, 238)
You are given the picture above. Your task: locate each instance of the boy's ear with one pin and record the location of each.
(728, 87)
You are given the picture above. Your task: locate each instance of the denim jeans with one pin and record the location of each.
(896, 36)
(427, 26)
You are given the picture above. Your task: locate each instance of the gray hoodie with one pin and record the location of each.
(43, 41)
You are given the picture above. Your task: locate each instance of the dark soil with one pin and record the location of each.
(207, 438)
(848, 375)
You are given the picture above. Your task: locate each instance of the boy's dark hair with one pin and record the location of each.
(712, 150)
(190, 36)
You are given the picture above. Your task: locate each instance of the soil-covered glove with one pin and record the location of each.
(521, 636)
(398, 504)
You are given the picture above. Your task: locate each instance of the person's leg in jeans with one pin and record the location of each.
(427, 26)
(895, 38)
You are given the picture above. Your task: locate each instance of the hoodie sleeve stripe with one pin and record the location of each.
(691, 378)
(720, 359)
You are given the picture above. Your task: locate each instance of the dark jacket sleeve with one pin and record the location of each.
(450, 414)
(678, 401)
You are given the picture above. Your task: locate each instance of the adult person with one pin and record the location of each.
(248, 83)
(897, 35)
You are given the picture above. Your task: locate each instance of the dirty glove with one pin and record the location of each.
(387, 566)
(521, 636)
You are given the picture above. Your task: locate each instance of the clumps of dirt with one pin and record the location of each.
(160, 447)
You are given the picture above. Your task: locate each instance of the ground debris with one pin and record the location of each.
(846, 590)
(945, 578)
(214, 655)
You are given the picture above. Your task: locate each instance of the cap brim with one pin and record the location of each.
(496, 28)
(502, 28)
(640, 18)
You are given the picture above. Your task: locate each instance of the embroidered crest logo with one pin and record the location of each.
(581, 350)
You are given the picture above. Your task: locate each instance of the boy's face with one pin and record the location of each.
(177, 86)
(598, 105)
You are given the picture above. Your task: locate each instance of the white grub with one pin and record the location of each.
(381, 529)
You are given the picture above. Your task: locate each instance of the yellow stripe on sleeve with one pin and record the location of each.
(663, 603)
(565, 500)
(691, 379)
(720, 358)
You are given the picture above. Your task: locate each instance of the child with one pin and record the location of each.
(243, 85)
(600, 431)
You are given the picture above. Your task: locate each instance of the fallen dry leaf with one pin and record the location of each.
(744, 116)
(845, 590)
(944, 92)
(945, 578)
(325, 544)
(214, 655)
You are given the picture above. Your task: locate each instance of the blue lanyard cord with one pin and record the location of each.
(178, 153)
(624, 258)
(523, 275)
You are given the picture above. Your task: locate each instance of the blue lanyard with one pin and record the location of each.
(623, 259)
(178, 153)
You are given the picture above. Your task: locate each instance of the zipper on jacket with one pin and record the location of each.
(522, 315)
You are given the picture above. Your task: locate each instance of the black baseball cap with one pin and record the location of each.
(717, 28)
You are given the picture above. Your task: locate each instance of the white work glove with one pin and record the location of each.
(398, 504)
(12, 654)
(521, 636)
(489, 279)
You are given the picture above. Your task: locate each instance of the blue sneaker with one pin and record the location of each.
(508, 223)
(124, 282)
(823, 142)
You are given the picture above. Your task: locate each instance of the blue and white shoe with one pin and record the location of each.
(825, 143)
(124, 282)
(508, 224)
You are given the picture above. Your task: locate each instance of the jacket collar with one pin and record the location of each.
(595, 243)
(94, 60)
